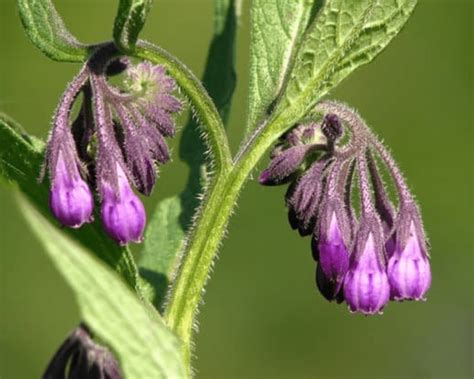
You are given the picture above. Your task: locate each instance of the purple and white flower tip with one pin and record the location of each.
(70, 198)
(366, 287)
(409, 270)
(333, 253)
(122, 212)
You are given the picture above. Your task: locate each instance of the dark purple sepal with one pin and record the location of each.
(409, 270)
(383, 205)
(332, 291)
(366, 286)
(315, 248)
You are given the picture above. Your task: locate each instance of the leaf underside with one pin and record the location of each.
(47, 31)
(277, 27)
(143, 345)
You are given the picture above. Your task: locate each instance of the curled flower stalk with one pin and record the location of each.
(115, 144)
(364, 258)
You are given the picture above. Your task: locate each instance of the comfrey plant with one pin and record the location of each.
(107, 143)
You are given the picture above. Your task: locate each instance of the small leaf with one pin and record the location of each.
(172, 219)
(144, 346)
(21, 158)
(47, 31)
(344, 36)
(277, 27)
(130, 19)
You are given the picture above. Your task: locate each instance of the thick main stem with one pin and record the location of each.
(204, 241)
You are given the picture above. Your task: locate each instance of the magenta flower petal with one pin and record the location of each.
(366, 287)
(70, 199)
(122, 213)
(409, 270)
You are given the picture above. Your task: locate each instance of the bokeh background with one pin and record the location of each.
(263, 317)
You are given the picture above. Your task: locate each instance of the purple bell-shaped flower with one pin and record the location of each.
(366, 287)
(122, 212)
(70, 199)
(409, 270)
(333, 251)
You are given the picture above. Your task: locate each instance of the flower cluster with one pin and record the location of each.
(80, 357)
(115, 143)
(364, 257)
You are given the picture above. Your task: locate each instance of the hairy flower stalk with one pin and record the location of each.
(116, 143)
(80, 357)
(364, 259)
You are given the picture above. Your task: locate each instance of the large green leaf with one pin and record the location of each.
(143, 345)
(344, 36)
(172, 218)
(130, 19)
(277, 27)
(47, 31)
(21, 158)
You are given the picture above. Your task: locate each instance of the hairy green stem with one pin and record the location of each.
(220, 198)
(204, 241)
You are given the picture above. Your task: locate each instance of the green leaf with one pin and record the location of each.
(21, 158)
(47, 31)
(172, 219)
(277, 27)
(143, 345)
(344, 36)
(130, 19)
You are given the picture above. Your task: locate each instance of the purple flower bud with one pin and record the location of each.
(409, 270)
(70, 199)
(122, 212)
(284, 165)
(304, 197)
(366, 287)
(333, 236)
(154, 88)
(331, 127)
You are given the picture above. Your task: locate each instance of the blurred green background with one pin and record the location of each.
(263, 317)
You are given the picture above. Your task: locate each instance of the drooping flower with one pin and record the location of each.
(333, 250)
(409, 270)
(366, 287)
(122, 212)
(351, 247)
(70, 199)
(80, 357)
(116, 142)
